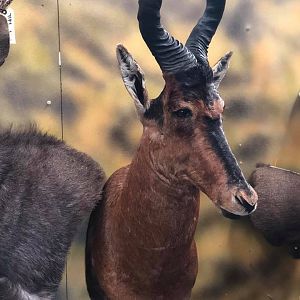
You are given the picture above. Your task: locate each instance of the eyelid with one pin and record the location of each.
(183, 113)
(175, 109)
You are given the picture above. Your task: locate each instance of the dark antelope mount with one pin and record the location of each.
(46, 190)
(140, 242)
(278, 216)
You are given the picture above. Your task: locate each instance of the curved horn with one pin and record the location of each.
(204, 31)
(171, 55)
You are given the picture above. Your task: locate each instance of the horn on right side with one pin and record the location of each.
(202, 34)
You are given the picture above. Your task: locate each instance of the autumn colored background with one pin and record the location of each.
(235, 263)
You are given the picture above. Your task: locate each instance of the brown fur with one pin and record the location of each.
(162, 260)
(142, 238)
(140, 241)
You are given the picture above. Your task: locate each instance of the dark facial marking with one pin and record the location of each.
(155, 112)
(220, 145)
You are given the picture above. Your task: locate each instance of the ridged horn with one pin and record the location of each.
(171, 55)
(202, 34)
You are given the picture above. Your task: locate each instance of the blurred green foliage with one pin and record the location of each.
(260, 89)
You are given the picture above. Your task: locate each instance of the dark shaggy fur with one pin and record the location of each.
(46, 189)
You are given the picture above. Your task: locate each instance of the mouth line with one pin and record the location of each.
(248, 209)
(230, 215)
(246, 205)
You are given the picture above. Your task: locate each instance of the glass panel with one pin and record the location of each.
(235, 262)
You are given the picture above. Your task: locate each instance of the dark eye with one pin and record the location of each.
(183, 113)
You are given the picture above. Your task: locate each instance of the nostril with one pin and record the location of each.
(248, 207)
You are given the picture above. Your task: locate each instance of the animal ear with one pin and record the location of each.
(220, 68)
(134, 80)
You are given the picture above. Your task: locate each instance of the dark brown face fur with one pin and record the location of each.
(187, 118)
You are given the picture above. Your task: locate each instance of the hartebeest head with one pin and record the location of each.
(183, 126)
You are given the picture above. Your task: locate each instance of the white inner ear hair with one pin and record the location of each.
(128, 72)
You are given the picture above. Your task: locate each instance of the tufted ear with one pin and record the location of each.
(220, 68)
(134, 80)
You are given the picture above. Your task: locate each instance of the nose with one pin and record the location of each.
(243, 202)
(247, 197)
(248, 203)
(249, 194)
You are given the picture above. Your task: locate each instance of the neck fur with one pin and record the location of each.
(161, 212)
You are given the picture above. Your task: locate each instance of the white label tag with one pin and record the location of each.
(10, 16)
